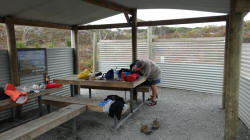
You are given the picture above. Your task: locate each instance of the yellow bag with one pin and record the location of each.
(83, 74)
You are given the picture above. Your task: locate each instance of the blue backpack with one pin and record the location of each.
(109, 75)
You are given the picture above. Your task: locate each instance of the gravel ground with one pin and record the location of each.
(183, 115)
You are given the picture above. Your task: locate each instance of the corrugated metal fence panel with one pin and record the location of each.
(191, 63)
(4, 78)
(187, 60)
(190, 50)
(60, 64)
(118, 53)
(244, 97)
(197, 77)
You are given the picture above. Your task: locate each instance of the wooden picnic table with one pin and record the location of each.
(8, 103)
(101, 84)
(106, 85)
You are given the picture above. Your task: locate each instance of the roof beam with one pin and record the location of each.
(242, 6)
(104, 26)
(182, 21)
(110, 5)
(127, 17)
(24, 22)
(40, 24)
(156, 23)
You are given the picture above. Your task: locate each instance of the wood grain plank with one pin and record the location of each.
(8, 103)
(64, 101)
(41, 125)
(73, 80)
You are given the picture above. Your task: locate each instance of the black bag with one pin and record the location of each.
(2, 94)
(109, 75)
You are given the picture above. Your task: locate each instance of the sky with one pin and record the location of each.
(164, 14)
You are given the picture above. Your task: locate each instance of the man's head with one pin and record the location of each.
(138, 65)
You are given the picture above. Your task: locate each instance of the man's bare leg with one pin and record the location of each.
(154, 92)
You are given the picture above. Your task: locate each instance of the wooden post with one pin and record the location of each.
(11, 39)
(225, 63)
(149, 41)
(233, 73)
(134, 42)
(12, 51)
(74, 45)
(94, 68)
(134, 34)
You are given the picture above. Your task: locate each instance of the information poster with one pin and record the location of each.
(31, 61)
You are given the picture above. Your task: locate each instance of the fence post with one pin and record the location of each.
(94, 67)
(75, 46)
(149, 42)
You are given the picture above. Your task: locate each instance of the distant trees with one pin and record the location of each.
(38, 37)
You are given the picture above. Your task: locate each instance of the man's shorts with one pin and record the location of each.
(148, 83)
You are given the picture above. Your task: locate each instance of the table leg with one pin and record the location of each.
(131, 100)
(135, 95)
(90, 93)
(72, 90)
(48, 108)
(40, 105)
(125, 95)
(13, 114)
(143, 97)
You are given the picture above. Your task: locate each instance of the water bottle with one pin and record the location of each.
(116, 77)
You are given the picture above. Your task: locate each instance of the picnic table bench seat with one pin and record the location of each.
(61, 101)
(43, 124)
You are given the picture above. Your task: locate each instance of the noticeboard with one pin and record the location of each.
(32, 61)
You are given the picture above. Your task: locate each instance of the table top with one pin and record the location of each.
(73, 80)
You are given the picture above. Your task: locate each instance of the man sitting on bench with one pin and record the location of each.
(153, 73)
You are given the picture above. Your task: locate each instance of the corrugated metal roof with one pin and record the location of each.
(75, 12)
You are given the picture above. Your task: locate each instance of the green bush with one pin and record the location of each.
(20, 44)
(50, 45)
(37, 45)
(68, 42)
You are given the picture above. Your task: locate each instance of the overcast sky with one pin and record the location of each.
(163, 14)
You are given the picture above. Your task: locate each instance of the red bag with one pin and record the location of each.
(132, 77)
(15, 95)
(53, 86)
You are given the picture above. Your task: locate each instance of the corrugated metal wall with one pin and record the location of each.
(111, 52)
(244, 98)
(4, 77)
(193, 63)
(60, 63)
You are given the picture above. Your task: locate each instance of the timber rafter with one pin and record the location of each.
(156, 23)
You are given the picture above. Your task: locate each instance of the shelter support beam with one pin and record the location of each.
(134, 35)
(74, 45)
(134, 41)
(11, 40)
(233, 72)
(127, 17)
(94, 68)
(156, 23)
(17, 21)
(12, 51)
(149, 41)
(110, 5)
(225, 63)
